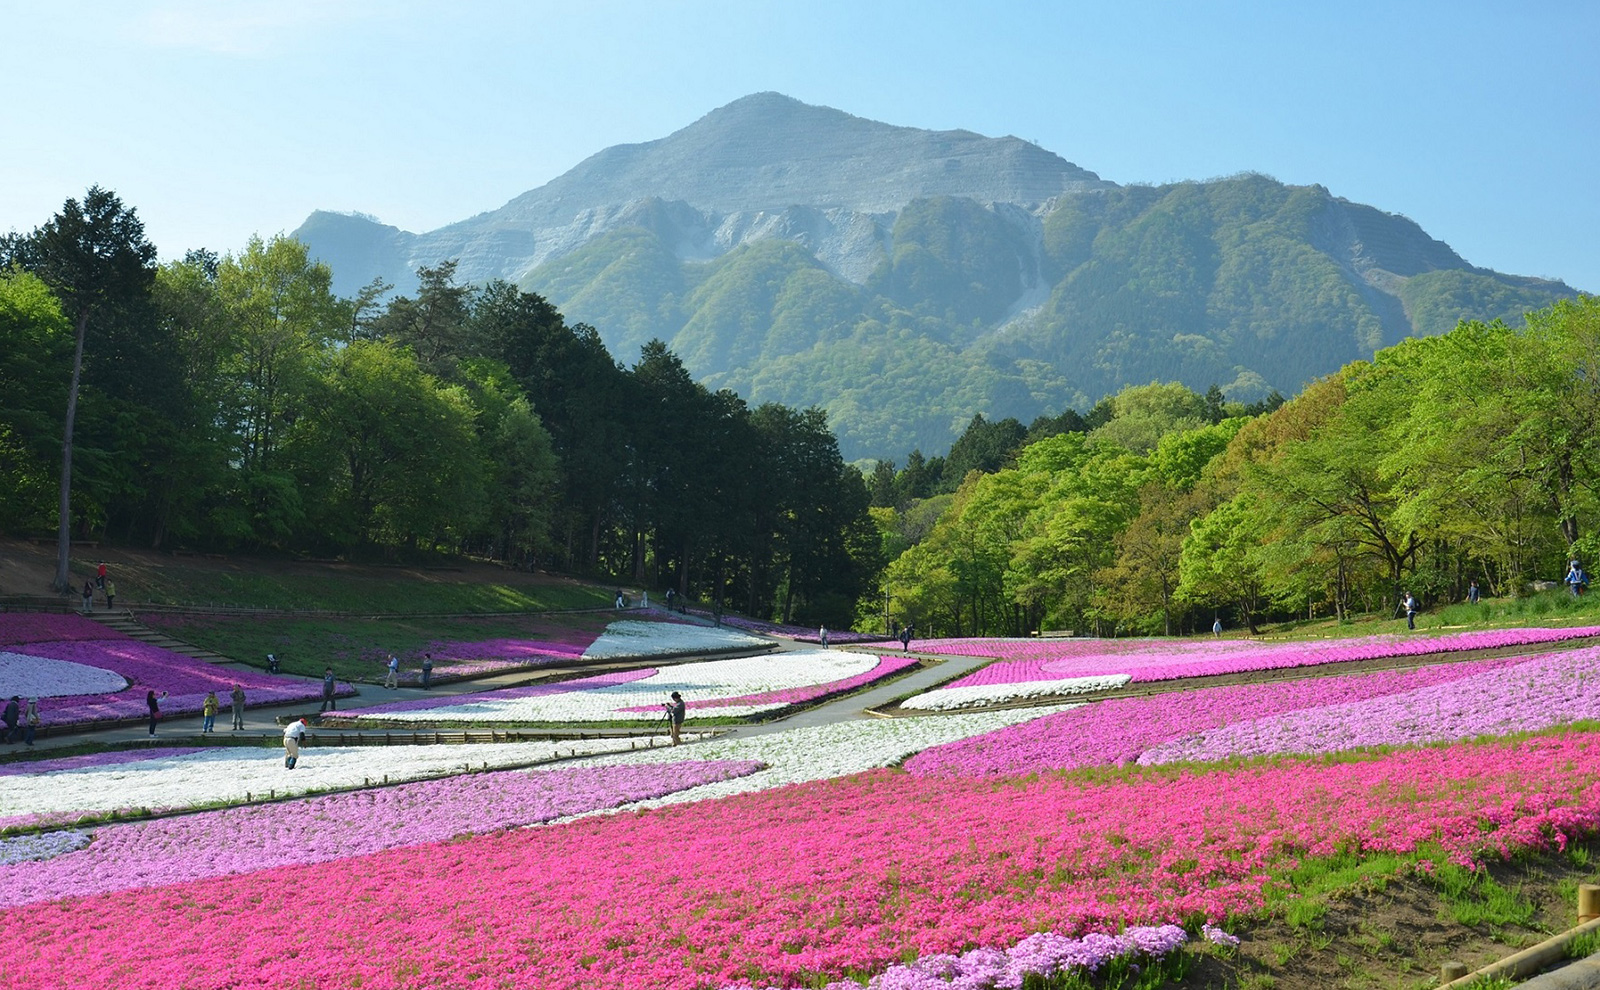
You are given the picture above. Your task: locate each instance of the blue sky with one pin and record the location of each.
(221, 119)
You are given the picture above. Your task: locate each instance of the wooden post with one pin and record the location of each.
(1452, 971)
(1588, 902)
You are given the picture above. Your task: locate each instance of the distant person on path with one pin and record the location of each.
(644, 599)
(111, 595)
(155, 709)
(669, 599)
(291, 743)
(675, 712)
(905, 637)
(393, 678)
(329, 686)
(209, 709)
(619, 599)
(1472, 593)
(88, 595)
(31, 721)
(100, 576)
(1410, 605)
(1216, 627)
(272, 663)
(1576, 579)
(10, 717)
(238, 707)
(822, 637)
(427, 671)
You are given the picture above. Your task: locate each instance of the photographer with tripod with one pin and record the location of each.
(675, 711)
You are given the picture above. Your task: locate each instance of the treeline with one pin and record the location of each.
(234, 402)
(1470, 456)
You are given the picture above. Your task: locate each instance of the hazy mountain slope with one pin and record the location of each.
(905, 279)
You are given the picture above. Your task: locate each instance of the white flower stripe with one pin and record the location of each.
(230, 773)
(44, 677)
(950, 698)
(634, 638)
(700, 681)
(818, 752)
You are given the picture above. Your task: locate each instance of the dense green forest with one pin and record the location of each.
(1474, 455)
(234, 402)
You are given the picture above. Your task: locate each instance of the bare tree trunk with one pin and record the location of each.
(64, 528)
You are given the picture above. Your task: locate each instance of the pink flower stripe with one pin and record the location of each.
(886, 667)
(531, 691)
(1545, 691)
(1121, 730)
(875, 868)
(26, 767)
(1043, 955)
(320, 829)
(17, 628)
(149, 667)
(1023, 660)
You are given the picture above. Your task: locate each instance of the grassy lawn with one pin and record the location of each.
(1547, 608)
(289, 585)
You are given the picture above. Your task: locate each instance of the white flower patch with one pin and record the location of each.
(702, 681)
(230, 773)
(633, 638)
(47, 845)
(42, 677)
(947, 699)
(818, 752)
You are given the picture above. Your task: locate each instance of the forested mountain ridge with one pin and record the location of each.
(906, 279)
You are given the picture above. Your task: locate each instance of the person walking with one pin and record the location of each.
(292, 735)
(392, 679)
(427, 671)
(88, 595)
(329, 687)
(10, 717)
(209, 709)
(31, 721)
(1410, 605)
(1472, 593)
(1216, 627)
(822, 637)
(100, 576)
(676, 709)
(905, 637)
(238, 707)
(155, 708)
(1576, 579)
(111, 595)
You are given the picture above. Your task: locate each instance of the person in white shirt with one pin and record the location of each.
(291, 742)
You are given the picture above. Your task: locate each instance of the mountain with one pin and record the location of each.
(905, 279)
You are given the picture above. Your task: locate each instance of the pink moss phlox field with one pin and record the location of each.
(1532, 694)
(18, 628)
(804, 882)
(316, 830)
(148, 667)
(1042, 955)
(531, 691)
(1121, 730)
(886, 666)
(1023, 660)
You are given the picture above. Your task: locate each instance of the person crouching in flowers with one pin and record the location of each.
(291, 742)
(675, 711)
